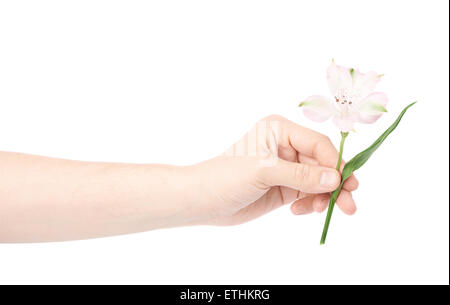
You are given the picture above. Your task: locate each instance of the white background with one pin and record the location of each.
(179, 81)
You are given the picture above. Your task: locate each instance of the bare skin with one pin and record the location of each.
(278, 162)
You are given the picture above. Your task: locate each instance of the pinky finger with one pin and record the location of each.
(346, 203)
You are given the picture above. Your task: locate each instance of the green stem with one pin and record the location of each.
(335, 194)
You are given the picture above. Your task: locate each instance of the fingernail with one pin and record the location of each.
(329, 179)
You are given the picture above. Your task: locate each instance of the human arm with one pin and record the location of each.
(48, 199)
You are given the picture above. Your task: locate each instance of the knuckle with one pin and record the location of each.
(321, 138)
(302, 172)
(326, 139)
(322, 143)
(273, 117)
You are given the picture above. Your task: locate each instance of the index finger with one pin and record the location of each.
(318, 147)
(312, 143)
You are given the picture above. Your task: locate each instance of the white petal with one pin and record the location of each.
(338, 78)
(372, 107)
(365, 83)
(345, 122)
(317, 108)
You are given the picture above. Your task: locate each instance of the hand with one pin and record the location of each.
(276, 163)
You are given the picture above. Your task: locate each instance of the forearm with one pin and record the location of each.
(47, 199)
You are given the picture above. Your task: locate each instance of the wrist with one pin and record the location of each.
(187, 192)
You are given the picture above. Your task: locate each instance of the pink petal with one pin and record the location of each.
(372, 107)
(365, 83)
(317, 108)
(338, 78)
(345, 122)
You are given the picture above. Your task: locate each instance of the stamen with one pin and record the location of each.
(346, 97)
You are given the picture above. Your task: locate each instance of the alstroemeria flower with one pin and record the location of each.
(354, 99)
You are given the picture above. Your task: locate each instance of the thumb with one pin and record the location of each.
(300, 176)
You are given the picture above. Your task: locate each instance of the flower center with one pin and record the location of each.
(346, 98)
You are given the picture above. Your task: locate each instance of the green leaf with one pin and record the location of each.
(354, 164)
(363, 156)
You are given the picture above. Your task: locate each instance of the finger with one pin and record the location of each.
(307, 160)
(320, 202)
(351, 184)
(301, 195)
(303, 206)
(303, 177)
(287, 153)
(312, 144)
(312, 147)
(346, 203)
